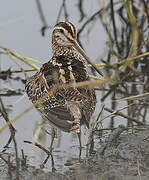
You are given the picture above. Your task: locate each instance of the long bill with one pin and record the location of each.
(83, 53)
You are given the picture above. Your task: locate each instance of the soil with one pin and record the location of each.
(122, 156)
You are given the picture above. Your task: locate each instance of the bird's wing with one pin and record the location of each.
(60, 117)
(55, 107)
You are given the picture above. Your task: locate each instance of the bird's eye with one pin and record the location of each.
(61, 30)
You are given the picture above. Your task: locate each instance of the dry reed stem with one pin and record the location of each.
(132, 97)
(135, 35)
(79, 84)
(89, 65)
(111, 114)
(24, 59)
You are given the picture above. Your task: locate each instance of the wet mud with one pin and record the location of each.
(124, 157)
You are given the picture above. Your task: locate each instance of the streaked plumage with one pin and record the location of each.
(65, 108)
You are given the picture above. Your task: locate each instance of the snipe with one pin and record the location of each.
(65, 108)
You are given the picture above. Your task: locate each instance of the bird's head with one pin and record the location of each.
(64, 33)
(65, 37)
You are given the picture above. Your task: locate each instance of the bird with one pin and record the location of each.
(65, 108)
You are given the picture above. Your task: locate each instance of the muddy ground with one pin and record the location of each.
(123, 155)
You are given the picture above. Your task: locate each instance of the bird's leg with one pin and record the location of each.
(79, 137)
(80, 143)
(52, 138)
(75, 110)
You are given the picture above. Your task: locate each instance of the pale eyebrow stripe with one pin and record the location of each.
(72, 28)
(59, 28)
(67, 27)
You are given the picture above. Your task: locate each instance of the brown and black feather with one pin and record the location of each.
(55, 107)
(64, 107)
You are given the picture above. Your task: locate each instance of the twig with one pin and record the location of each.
(135, 32)
(128, 128)
(45, 150)
(65, 10)
(112, 113)
(146, 9)
(139, 9)
(42, 17)
(14, 60)
(44, 162)
(114, 26)
(88, 21)
(24, 159)
(135, 35)
(63, 6)
(138, 168)
(7, 162)
(24, 59)
(80, 7)
(132, 97)
(79, 84)
(32, 69)
(123, 115)
(100, 83)
(9, 167)
(5, 116)
(39, 146)
(90, 140)
(12, 130)
(25, 70)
